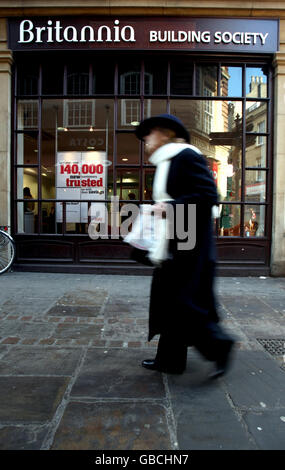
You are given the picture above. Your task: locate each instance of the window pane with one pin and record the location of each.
(224, 164)
(231, 81)
(181, 77)
(206, 80)
(216, 130)
(229, 221)
(256, 146)
(129, 113)
(73, 154)
(148, 184)
(155, 78)
(27, 83)
(256, 82)
(48, 220)
(27, 218)
(27, 117)
(129, 77)
(128, 184)
(255, 185)
(52, 82)
(128, 149)
(256, 116)
(27, 148)
(254, 220)
(27, 185)
(78, 79)
(103, 76)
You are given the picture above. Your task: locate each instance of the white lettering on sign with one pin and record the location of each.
(240, 38)
(225, 37)
(55, 32)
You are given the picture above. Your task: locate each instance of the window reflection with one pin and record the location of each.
(255, 185)
(229, 221)
(128, 184)
(27, 148)
(78, 79)
(206, 80)
(128, 149)
(27, 83)
(254, 219)
(256, 82)
(256, 116)
(148, 184)
(129, 78)
(84, 125)
(27, 117)
(155, 79)
(255, 151)
(181, 77)
(216, 130)
(231, 81)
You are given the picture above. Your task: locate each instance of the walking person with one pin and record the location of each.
(182, 300)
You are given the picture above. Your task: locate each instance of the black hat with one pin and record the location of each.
(166, 121)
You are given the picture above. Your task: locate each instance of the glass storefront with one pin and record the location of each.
(74, 142)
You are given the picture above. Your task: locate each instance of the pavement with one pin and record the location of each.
(71, 347)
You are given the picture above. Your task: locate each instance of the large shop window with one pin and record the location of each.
(75, 146)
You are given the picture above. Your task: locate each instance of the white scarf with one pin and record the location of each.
(161, 158)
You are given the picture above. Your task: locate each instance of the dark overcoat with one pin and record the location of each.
(182, 291)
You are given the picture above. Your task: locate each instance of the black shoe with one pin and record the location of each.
(223, 361)
(151, 364)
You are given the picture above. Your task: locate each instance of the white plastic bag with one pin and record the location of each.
(142, 235)
(149, 233)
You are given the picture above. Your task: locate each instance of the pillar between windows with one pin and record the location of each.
(278, 213)
(6, 60)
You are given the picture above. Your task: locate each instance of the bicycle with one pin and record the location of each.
(7, 250)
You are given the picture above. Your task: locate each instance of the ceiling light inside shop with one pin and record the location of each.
(135, 123)
(125, 159)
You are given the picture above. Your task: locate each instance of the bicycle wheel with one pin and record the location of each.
(7, 252)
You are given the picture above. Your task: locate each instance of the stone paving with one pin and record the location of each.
(70, 376)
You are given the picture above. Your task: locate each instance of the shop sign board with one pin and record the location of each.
(246, 35)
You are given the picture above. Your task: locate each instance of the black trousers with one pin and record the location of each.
(208, 338)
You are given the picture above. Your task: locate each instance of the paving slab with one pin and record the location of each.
(77, 331)
(256, 380)
(24, 307)
(94, 297)
(37, 360)
(112, 426)
(117, 373)
(74, 311)
(268, 428)
(26, 329)
(22, 437)
(204, 416)
(30, 400)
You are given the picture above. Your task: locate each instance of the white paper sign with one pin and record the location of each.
(80, 176)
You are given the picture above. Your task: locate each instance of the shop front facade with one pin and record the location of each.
(75, 87)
